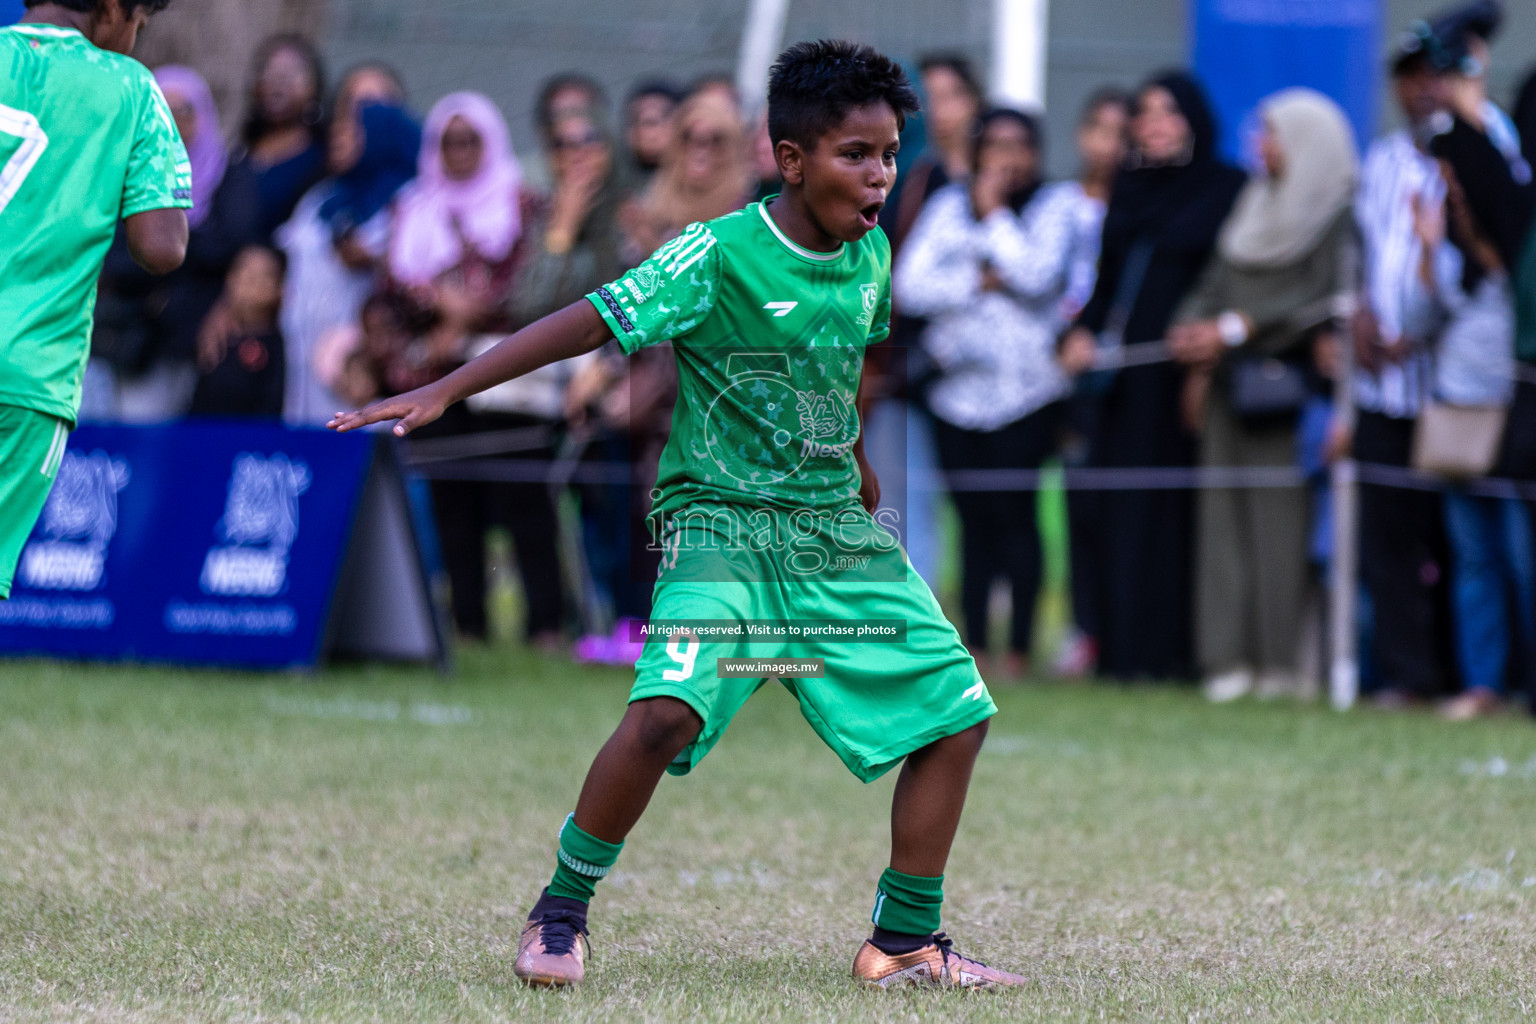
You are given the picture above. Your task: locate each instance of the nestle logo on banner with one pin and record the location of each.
(69, 549)
(261, 521)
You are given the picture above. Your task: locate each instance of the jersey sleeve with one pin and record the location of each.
(159, 173)
(880, 319)
(665, 297)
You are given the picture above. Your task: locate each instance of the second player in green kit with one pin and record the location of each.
(86, 140)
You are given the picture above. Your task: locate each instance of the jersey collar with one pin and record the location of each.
(37, 28)
(803, 253)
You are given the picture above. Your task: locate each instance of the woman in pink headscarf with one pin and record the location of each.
(224, 201)
(457, 227)
(197, 119)
(458, 238)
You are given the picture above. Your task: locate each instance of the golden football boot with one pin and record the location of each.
(553, 951)
(936, 964)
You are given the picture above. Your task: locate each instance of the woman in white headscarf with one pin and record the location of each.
(1247, 335)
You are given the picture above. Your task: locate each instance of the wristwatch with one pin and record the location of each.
(1232, 328)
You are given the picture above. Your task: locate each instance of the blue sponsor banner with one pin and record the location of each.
(203, 542)
(11, 11)
(1247, 49)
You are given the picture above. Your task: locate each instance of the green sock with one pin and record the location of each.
(583, 860)
(908, 903)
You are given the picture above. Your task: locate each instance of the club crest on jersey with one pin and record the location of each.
(644, 282)
(871, 299)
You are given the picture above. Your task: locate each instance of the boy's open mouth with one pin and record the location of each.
(870, 215)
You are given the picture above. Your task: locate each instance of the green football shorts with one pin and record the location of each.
(31, 449)
(877, 702)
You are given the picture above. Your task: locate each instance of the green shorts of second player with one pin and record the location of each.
(878, 701)
(31, 449)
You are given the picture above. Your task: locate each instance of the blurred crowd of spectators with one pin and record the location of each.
(345, 248)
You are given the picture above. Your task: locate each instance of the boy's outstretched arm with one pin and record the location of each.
(568, 332)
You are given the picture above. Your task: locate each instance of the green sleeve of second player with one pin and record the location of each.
(159, 173)
(665, 297)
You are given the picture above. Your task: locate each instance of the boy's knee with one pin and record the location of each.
(975, 734)
(966, 742)
(663, 726)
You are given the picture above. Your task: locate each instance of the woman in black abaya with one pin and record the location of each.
(1166, 210)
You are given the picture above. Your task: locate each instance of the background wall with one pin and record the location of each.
(217, 37)
(507, 48)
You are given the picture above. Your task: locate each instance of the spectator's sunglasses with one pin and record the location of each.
(582, 141)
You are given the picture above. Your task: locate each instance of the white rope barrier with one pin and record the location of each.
(1087, 478)
(481, 443)
(471, 457)
(1141, 353)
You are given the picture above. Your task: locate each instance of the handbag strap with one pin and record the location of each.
(1137, 260)
(1525, 301)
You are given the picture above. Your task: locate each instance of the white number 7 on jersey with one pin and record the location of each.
(33, 141)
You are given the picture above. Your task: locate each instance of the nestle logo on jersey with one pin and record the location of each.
(826, 415)
(642, 283)
(822, 450)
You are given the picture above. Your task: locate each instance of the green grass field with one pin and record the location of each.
(180, 845)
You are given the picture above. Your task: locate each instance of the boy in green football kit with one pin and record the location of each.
(763, 510)
(86, 140)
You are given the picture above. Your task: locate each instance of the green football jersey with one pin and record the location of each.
(86, 138)
(769, 339)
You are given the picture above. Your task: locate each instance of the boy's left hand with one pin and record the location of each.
(413, 409)
(869, 488)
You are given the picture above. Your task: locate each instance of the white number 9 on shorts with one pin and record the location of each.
(683, 648)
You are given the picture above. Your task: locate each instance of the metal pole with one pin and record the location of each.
(761, 39)
(1344, 589)
(1019, 33)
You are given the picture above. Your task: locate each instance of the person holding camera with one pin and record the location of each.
(1471, 244)
(1283, 270)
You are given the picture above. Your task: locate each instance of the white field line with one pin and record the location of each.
(1497, 767)
(360, 710)
(1009, 744)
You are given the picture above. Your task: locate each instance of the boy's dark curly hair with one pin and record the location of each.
(814, 85)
